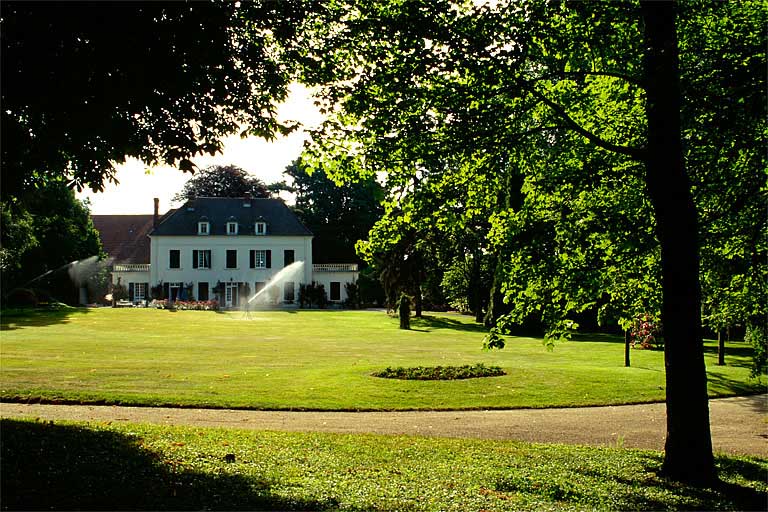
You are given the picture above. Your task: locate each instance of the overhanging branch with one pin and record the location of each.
(634, 152)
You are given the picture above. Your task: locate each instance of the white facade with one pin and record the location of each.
(164, 270)
(228, 249)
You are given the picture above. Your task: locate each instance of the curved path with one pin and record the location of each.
(739, 425)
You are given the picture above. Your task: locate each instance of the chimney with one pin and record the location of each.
(247, 200)
(156, 218)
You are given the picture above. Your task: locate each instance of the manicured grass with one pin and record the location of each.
(109, 467)
(318, 360)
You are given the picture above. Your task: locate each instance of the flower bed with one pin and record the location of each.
(194, 305)
(440, 372)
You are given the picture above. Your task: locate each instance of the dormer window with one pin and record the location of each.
(261, 228)
(231, 228)
(203, 228)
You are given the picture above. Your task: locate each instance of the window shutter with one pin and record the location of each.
(130, 292)
(194, 259)
(146, 292)
(269, 259)
(253, 258)
(166, 290)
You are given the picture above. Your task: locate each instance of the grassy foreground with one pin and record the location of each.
(318, 360)
(111, 467)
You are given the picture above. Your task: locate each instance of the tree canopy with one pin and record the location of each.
(575, 125)
(87, 84)
(222, 181)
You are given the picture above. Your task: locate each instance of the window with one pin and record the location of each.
(259, 286)
(260, 259)
(231, 258)
(288, 257)
(231, 228)
(289, 290)
(201, 258)
(202, 291)
(203, 228)
(139, 291)
(335, 290)
(174, 258)
(261, 228)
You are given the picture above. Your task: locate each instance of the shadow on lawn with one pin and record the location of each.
(12, 319)
(734, 356)
(649, 491)
(428, 323)
(56, 467)
(737, 387)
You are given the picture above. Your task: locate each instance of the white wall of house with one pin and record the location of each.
(161, 247)
(341, 274)
(135, 277)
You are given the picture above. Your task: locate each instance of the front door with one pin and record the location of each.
(230, 295)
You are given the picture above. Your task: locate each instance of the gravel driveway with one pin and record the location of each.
(739, 425)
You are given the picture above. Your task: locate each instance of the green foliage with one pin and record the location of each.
(757, 336)
(126, 466)
(353, 295)
(222, 181)
(46, 230)
(338, 213)
(493, 340)
(404, 311)
(85, 86)
(440, 372)
(312, 294)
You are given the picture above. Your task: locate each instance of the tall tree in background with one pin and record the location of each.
(339, 214)
(222, 181)
(87, 84)
(50, 230)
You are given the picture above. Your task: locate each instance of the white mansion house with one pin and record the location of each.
(216, 248)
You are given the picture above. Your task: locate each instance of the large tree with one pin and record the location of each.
(339, 214)
(412, 82)
(86, 84)
(43, 233)
(222, 181)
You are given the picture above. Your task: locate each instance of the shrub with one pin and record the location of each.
(757, 336)
(21, 298)
(645, 332)
(441, 372)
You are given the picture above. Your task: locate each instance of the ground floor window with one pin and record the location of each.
(230, 294)
(289, 291)
(174, 291)
(139, 291)
(335, 290)
(202, 291)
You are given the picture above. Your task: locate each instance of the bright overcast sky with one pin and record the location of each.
(265, 160)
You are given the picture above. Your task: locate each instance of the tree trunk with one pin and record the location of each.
(688, 451)
(720, 348)
(626, 348)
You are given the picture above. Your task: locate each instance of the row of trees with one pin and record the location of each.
(570, 156)
(597, 157)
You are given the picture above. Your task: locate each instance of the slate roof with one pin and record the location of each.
(124, 237)
(281, 221)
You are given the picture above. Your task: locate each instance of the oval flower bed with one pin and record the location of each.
(440, 372)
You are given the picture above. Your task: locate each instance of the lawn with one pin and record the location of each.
(318, 360)
(108, 467)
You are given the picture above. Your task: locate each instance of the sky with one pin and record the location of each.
(139, 184)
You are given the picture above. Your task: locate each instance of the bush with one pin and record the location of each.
(757, 336)
(441, 372)
(190, 305)
(645, 333)
(21, 298)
